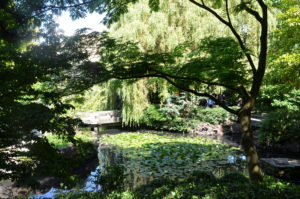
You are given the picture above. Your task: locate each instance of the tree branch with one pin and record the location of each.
(203, 95)
(237, 36)
(196, 80)
(209, 10)
(263, 51)
(253, 13)
(227, 11)
(50, 7)
(262, 4)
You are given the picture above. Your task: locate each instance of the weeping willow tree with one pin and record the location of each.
(130, 97)
(135, 101)
(176, 22)
(93, 99)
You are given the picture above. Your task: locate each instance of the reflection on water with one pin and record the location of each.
(88, 185)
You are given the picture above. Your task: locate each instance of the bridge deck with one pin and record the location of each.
(100, 117)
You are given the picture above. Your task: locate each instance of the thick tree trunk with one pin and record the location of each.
(254, 169)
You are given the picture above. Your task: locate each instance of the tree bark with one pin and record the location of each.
(249, 148)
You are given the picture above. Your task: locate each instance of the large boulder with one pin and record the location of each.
(282, 167)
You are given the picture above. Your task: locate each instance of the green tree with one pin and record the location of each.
(284, 53)
(214, 61)
(30, 99)
(222, 66)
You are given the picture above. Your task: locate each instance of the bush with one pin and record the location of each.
(214, 115)
(280, 126)
(202, 185)
(112, 179)
(173, 119)
(153, 117)
(283, 123)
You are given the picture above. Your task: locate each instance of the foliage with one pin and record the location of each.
(283, 75)
(134, 98)
(91, 100)
(183, 117)
(29, 99)
(112, 179)
(62, 141)
(290, 101)
(214, 115)
(202, 185)
(172, 117)
(154, 117)
(57, 141)
(280, 126)
(178, 22)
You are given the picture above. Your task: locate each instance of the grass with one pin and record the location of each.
(59, 141)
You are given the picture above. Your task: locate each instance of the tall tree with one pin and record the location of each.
(176, 22)
(216, 62)
(30, 99)
(284, 53)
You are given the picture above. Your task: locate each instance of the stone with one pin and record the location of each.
(282, 167)
(3, 196)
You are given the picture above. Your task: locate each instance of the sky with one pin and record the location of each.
(92, 21)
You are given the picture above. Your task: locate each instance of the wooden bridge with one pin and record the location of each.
(99, 118)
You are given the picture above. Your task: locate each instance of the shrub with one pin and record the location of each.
(280, 126)
(202, 185)
(214, 115)
(153, 117)
(171, 118)
(112, 179)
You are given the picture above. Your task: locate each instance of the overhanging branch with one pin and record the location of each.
(51, 7)
(209, 10)
(195, 80)
(202, 95)
(229, 24)
(254, 13)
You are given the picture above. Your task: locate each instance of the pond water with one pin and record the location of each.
(147, 157)
(88, 185)
(140, 174)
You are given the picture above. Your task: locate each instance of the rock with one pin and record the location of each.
(208, 129)
(48, 182)
(282, 167)
(235, 128)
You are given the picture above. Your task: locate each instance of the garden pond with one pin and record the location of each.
(155, 155)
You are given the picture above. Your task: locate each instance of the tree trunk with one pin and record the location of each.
(254, 169)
